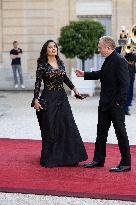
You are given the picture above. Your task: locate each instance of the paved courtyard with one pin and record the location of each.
(18, 120)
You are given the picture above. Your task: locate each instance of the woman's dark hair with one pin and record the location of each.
(43, 59)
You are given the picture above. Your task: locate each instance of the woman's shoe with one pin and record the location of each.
(42, 164)
(73, 165)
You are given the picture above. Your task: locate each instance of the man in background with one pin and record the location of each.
(131, 59)
(15, 55)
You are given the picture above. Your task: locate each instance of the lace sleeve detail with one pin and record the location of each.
(39, 73)
(67, 81)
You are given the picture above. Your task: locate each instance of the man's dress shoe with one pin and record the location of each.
(94, 164)
(120, 169)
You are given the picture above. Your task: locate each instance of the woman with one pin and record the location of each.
(61, 141)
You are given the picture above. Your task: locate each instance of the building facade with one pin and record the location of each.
(32, 22)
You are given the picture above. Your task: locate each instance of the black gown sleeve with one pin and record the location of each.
(39, 73)
(68, 82)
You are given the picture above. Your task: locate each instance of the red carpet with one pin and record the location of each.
(20, 172)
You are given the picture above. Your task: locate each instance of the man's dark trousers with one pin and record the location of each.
(116, 115)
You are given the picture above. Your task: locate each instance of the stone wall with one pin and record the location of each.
(94, 8)
(123, 13)
(31, 23)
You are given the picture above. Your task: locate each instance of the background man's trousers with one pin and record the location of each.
(17, 69)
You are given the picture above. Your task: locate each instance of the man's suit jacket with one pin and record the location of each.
(114, 77)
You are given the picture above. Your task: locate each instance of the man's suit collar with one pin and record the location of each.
(110, 56)
(108, 59)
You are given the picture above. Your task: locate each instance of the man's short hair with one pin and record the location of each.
(15, 42)
(108, 41)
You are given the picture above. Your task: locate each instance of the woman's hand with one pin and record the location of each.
(37, 105)
(76, 91)
(78, 95)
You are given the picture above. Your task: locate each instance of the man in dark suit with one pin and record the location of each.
(114, 77)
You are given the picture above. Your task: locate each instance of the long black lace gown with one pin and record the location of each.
(61, 142)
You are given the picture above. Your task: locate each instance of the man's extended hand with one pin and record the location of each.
(79, 73)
